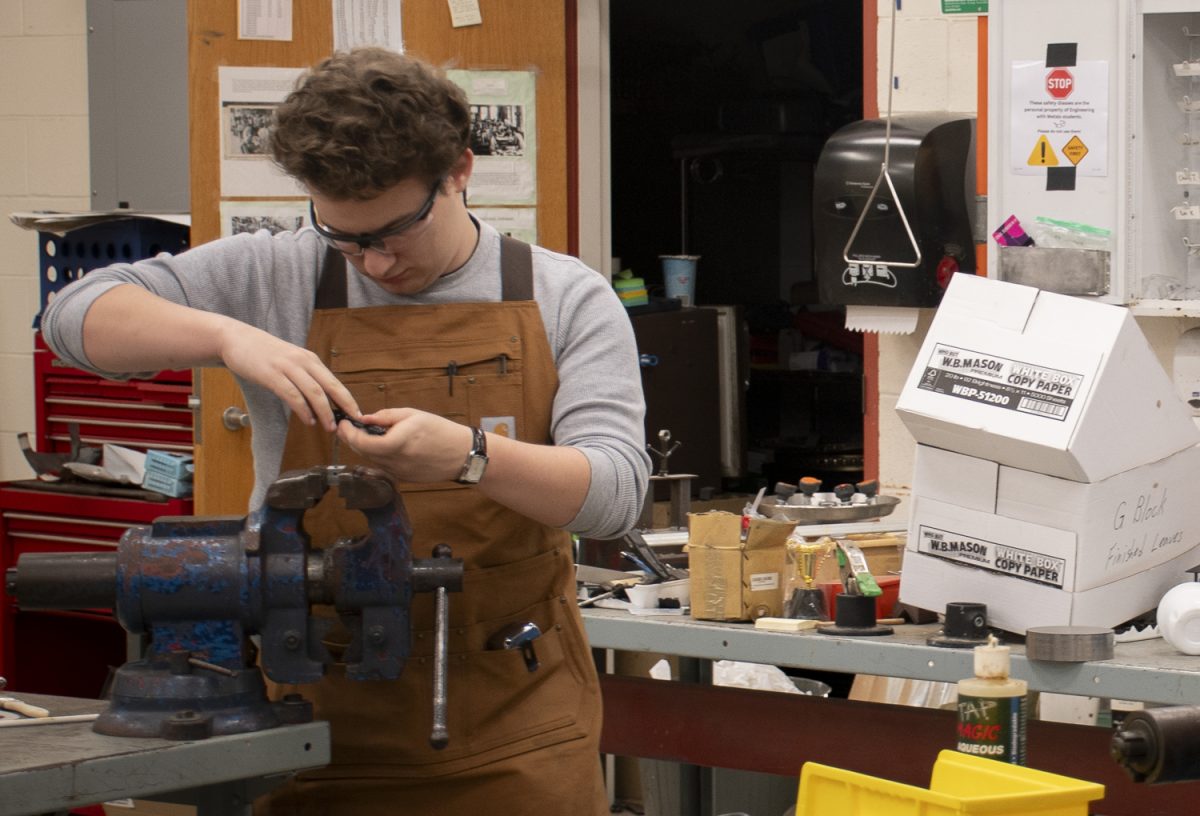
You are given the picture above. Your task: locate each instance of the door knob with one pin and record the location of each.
(235, 418)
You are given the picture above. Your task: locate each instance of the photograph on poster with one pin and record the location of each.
(273, 216)
(246, 130)
(498, 130)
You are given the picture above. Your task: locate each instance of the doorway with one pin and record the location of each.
(718, 113)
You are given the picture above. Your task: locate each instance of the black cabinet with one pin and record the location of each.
(681, 383)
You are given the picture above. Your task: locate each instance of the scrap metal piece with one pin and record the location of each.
(1069, 644)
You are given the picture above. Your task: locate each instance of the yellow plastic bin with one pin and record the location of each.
(961, 784)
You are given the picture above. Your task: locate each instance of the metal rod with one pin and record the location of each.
(884, 174)
(440, 735)
(212, 667)
(683, 224)
(68, 718)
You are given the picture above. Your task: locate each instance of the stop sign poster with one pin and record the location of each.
(1059, 117)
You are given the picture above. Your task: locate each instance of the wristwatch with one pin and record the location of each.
(476, 464)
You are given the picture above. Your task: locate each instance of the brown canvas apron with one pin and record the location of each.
(520, 741)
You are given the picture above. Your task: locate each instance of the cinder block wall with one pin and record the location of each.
(43, 165)
(935, 65)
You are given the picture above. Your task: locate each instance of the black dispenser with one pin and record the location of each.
(931, 163)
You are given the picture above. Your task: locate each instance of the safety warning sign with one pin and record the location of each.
(1074, 150)
(1043, 154)
(1061, 112)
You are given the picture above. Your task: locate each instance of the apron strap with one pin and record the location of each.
(516, 275)
(516, 269)
(331, 284)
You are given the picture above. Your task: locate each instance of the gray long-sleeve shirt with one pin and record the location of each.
(268, 282)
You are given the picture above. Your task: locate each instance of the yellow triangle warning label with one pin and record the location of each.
(1043, 154)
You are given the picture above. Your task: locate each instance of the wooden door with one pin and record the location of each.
(525, 35)
(224, 466)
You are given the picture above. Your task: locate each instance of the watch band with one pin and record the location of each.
(476, 462)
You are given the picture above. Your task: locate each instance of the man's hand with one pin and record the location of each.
(418, 446)
(546, 483)
(295, 375)
(131, 329)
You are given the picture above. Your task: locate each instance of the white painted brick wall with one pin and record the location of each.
(43, 165)
(935, 69)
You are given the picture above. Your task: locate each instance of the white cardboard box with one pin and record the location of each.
(1044, 551)
(1042, 382)
(1014, 605)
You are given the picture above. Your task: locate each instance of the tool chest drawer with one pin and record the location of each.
(137, 414)
(65, 652)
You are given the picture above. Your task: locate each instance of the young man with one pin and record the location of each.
(400, 303)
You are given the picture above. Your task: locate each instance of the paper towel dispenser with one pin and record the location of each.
(931, 164)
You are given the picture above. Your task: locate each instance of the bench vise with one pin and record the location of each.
(199, 587)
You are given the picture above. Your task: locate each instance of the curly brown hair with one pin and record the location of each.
(362, 121)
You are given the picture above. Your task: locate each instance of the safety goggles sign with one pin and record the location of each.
(989, 555)
(1026, 388)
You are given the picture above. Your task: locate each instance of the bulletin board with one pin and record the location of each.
(532, 35)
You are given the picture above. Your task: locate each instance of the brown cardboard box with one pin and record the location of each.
(732, 579)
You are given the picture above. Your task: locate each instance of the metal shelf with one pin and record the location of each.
(1149, 671)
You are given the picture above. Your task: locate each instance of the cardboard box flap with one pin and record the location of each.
(767, 533)
(974, 300)
(1142, 413)
(722, 530)
(716, 529)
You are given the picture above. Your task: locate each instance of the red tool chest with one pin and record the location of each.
(132, 413)
(65, 652)
(70, 652)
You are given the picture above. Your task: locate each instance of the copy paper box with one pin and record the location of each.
(1015, 606)
(732, 579)
(1042, 382)
(1059, 546)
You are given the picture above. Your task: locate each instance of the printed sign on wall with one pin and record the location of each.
(1059, 117)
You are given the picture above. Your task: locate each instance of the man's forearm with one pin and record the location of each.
(131, 329)
(544, 482)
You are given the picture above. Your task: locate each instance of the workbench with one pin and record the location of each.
(704, 725)
(49, 768)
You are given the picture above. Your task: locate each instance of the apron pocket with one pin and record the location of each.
(507, 703)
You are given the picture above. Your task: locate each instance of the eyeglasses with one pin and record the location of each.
(355, 245)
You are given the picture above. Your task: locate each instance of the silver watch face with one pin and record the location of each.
(474, 469)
